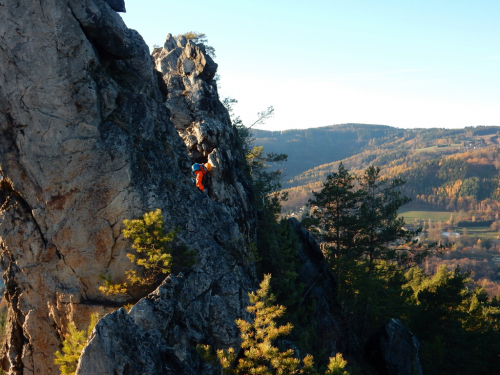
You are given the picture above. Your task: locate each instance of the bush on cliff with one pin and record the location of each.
(197, 38)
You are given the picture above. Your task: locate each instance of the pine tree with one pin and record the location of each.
(450, 319)
(378, 217)
(260, 356)
(357, 223)
(337, 366)
(73, 344)
(151, 245)
(334, 217)
(153, 253)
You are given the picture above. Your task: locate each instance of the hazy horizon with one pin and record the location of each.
(361, 123)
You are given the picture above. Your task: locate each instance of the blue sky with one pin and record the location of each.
(400, 63)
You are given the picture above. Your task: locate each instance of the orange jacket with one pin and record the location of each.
(199, 177)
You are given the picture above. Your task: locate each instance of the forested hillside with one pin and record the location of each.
(308, 148)
(451, 169)
(451, 177)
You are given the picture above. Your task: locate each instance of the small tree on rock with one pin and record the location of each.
(260, 356)
(153, 253)
(197, 38)
(73, 344)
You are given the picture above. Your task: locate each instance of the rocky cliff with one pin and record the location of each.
(95, 130)
(92, 134)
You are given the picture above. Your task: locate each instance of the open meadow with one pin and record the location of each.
(411, 216)
(477, 232)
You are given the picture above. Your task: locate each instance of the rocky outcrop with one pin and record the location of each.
(192, 96)
(393, 350)
(118, 5)
(161, 332)
(86, 141)
(198, 115)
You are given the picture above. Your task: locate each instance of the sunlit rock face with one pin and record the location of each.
(198, 115)
(192, 96)
(90, 136)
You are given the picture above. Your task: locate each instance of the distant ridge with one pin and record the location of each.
(308, 148)
(413, 154)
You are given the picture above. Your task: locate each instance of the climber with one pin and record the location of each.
(199, 170)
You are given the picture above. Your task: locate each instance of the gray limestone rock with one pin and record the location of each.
(170, 43)
(86, 141)
(105, 29)
(160, 334)
(393, 350)
(197, 113)
(161, 331)
(118, 5)
(200, 118)
(92, 134)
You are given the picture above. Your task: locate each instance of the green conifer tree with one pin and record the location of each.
(334, 218)
(458, 327)
(380, 225)
(260, 356)
(73, 344)
(153, 253)
(356, 221)
(152, 247)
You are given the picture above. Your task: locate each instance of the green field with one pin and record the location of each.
(480, 232)
(436, 149)
(410, 216)
(444, 216)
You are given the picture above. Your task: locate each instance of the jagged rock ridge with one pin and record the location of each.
(86, 142)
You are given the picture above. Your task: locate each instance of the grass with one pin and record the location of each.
(444, 216)
(426, 149)
(480, 232)
(410, 216)
(438, 149)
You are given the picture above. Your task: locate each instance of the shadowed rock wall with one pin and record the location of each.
(86, 141)
(393, 350)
